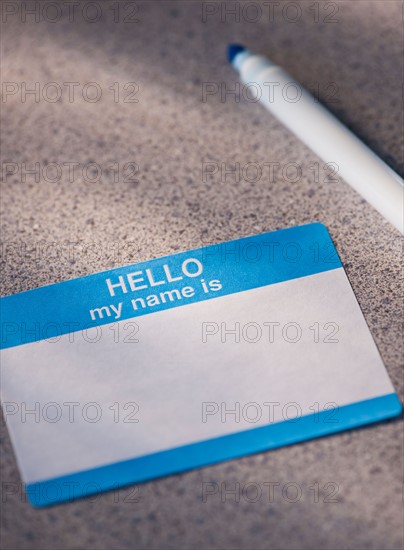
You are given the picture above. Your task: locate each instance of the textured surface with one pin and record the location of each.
(55, 230)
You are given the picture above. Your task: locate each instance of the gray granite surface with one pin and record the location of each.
(351, 53)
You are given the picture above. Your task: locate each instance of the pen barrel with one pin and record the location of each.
(333, 142)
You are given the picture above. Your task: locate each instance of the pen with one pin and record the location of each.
(320, 130)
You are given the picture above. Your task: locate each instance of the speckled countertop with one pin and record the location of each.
(64, 226)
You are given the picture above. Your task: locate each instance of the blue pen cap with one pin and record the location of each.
(233, 50)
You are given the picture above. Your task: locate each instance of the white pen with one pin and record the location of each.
(322, 132)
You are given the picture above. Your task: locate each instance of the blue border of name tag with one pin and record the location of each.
(204, 453)
(252, 262)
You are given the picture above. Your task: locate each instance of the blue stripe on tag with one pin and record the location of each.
(189, 277)
(136, 470)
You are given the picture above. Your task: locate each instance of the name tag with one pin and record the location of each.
(184, 361)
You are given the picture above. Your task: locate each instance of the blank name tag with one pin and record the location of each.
(184, 361)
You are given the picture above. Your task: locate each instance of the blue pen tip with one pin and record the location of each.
(233, 50)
